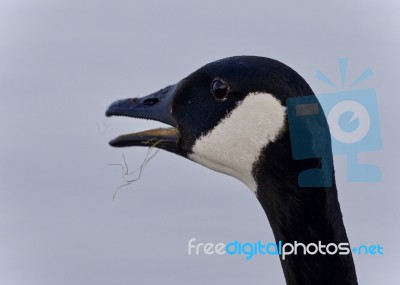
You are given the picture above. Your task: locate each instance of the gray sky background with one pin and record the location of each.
(63, 62)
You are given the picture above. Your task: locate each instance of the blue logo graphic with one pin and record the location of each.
(352, 116)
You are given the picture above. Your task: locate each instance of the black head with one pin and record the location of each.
(198, 103)
(228, 114)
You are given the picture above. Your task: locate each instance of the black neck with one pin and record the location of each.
(306, 215)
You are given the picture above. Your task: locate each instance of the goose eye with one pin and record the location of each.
(219, 88)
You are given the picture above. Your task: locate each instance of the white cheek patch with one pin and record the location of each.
(236, 142)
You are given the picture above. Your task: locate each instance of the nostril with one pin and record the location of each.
(150, 101)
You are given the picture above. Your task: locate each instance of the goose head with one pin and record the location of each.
(233, 116)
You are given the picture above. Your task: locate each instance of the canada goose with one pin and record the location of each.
(231, 115)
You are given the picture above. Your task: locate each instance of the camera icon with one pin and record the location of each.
(353, 120)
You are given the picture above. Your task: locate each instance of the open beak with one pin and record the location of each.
(156, 106)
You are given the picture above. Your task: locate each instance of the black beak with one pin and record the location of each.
(156, 106)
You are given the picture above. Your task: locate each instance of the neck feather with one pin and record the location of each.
(306, 215)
